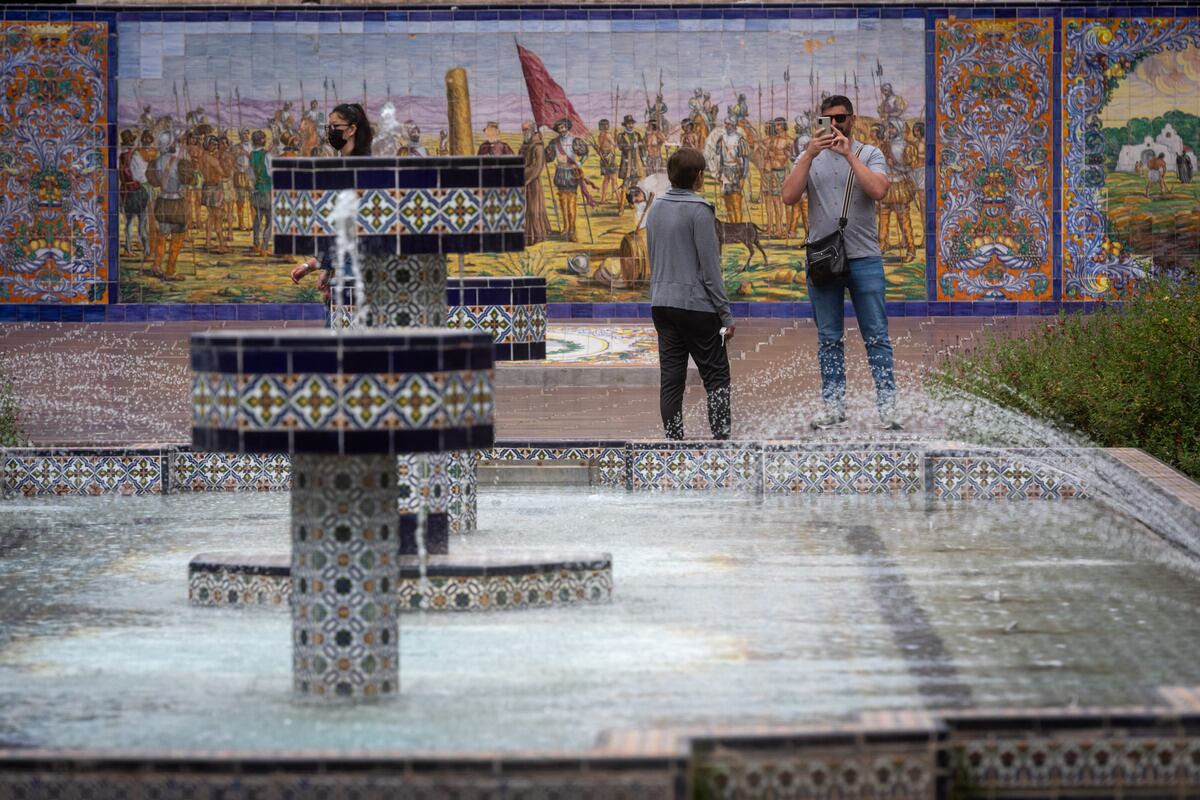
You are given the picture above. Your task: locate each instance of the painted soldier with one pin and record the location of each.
(412, 146)
(777, 161)
(740, 111)
(212, 195)
(657, 112)
(533, 149)
(131, 173)
(655, 157)
(260, 193)
(710, 111)
(798, 212)
(632, 145)
(491, 145)
(243, 182)
(733, 164)
(691, 137)
(146, 120)
(606, 146)
(170, 174)
(567, 152)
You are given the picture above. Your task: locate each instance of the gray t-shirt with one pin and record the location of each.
(826, 187)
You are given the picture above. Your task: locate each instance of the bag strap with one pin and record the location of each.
(846, 198)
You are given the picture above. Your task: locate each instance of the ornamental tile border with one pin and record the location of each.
(234, 588)
(403, 212)
(230, 472)
(506, 323)
(316, 401)
(31, 472)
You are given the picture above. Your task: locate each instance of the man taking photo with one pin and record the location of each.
(821, 170)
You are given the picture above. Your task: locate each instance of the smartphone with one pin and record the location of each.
(824, 126)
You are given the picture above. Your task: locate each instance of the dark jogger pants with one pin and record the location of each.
(696, 333)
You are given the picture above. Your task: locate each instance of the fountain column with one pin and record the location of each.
(344, 406)
(412, 213)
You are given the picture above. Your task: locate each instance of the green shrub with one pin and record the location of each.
(10, 415)
(1124, 376)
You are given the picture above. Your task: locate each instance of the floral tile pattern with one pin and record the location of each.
(994, 159)
(810, 471)
(54, 218)
(230, 472)
(33, 474)
(997, 477)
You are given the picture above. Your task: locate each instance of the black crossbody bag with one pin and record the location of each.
(826, 257)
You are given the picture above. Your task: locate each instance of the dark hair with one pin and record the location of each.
(837, 100)
(683, 166)
(354, 115)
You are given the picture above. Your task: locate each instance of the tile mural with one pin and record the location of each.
(1131, 126)
(994, 159)
(634, 90)
(53, 170)
(1057, 155)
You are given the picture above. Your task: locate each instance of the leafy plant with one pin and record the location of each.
(11, 434)
(1124, 376)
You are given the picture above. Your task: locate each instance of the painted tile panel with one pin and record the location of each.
(994, 159)
(1131, 134)
(54, 191)
(629, 104)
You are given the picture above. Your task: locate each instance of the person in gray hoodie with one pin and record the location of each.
(687, 295)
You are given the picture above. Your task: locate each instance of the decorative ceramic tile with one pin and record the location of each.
(994, 159)
(846, 773)
(229, 580)
(1099, 760)
(809, 470)
(539, 455)
(405, 291)
(54, 168)
(694, 466)
(344, 542)
(463, 488)
(230, 472)
(32, 473)
(332, 779)
(403, 211)
(609, 465)
(505, 324)
(343, 387)
(565, 587)
(993, 476)
(1126, 168)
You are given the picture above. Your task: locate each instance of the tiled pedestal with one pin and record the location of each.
(344, 405)
(512, 310)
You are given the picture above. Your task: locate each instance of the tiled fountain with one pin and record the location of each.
(379, 417)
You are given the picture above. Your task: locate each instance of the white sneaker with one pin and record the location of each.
(831, 417)
(888, 420)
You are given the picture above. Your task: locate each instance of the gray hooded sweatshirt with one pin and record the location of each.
(685, 256)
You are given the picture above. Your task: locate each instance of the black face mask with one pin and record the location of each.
(337, 139)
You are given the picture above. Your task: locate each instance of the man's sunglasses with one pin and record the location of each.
(839, 117)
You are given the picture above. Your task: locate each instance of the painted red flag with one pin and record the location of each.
(549, 101)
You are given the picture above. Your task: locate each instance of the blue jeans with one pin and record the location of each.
(866, 285)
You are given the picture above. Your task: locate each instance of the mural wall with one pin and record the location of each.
(1048, 159)
(743, 90)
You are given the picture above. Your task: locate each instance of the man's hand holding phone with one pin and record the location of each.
(839, 144)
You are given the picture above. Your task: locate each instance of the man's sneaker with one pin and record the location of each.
(831, 417)
(888, 420)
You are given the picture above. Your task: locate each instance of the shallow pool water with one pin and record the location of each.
(727, 610)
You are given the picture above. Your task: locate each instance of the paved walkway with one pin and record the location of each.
(128, 383)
